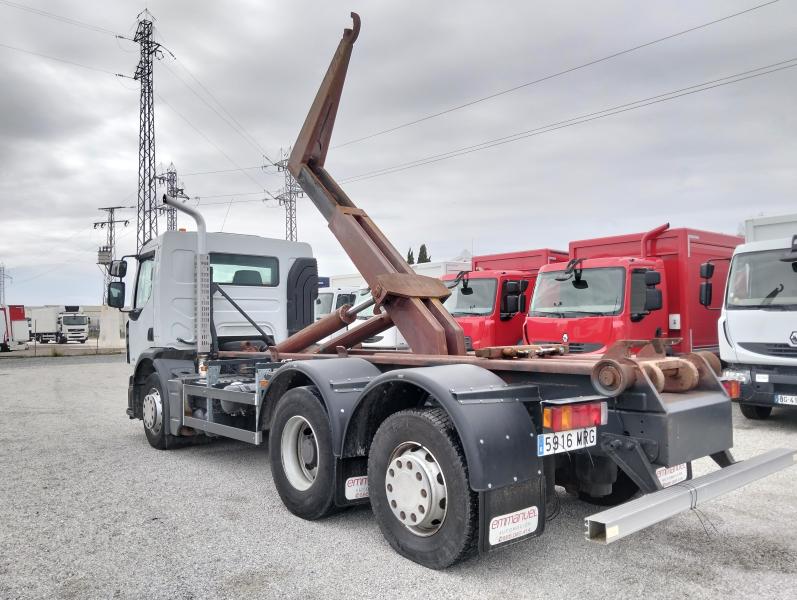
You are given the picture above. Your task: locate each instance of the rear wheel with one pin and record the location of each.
(300, 453)
(420, 494)
(757, 413)
(623, 489)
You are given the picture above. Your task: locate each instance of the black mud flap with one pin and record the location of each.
(511, 514)
(351, 481)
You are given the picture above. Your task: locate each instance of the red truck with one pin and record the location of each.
(630, 287)
(490, 301)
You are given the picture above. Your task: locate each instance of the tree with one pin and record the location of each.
(423, 256)
(410, 257)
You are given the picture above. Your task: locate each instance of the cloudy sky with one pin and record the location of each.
(69, 134)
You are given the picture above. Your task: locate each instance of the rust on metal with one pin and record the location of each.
(411, 301)
(326, 326)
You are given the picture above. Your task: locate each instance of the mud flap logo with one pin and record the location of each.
(513, 525)
(356, 488)
(671, 475)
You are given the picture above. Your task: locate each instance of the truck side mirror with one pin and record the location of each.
(653, 299)
(118, 268)
(706, 293)
(511, 306)
(652, 278)
(707, 270)
(512, 287)
(116, 294)
(524, 285)
(522, 304)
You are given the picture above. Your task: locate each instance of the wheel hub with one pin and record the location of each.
(416, 489)
(152, 409)
(299, 452)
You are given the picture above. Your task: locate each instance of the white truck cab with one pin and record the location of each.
(255, 273)
(758, 323)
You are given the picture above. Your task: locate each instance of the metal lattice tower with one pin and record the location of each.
(107, 253)
(288, 196)
(147, 218)
(170, 179)
(3, 278)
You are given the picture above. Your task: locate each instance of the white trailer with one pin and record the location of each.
(758, 324)
(44, 323)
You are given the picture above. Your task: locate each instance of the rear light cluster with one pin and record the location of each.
(733, 387)
(575, 416)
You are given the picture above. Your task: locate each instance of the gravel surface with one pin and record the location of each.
(89, 510)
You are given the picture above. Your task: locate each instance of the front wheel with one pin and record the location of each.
(155, 412)
(420, 494)
(300, 453)
(756, 413)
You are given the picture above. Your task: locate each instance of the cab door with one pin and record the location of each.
(142, 316)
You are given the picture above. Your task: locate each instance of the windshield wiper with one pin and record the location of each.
(771, 295)
(589, 313)
(547, 313)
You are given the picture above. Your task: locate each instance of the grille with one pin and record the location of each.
(781, 350)
(575, 347)
(374, 339)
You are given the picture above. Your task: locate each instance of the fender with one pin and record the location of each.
(339, 380)
(495, 427)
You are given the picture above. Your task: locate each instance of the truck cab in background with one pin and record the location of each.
(72, 325)
(629, 287)
(332, 298)
(757, 327)
(490, 301)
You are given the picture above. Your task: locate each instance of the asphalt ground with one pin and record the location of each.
(89, 510)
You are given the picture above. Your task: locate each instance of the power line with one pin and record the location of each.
(553, 75)
(208, 140)
(61, 60)
(49, 15)
(236, 124)
(607, 112)
(254, 168)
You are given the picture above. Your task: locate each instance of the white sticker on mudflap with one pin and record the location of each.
(513, 525)
(671, 475)
(356, 488)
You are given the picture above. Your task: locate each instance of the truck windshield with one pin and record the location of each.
(74, 320)
(761, 280)
(479, 303)
(323, 304)
(598, 292)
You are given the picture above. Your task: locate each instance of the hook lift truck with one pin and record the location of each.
(457, 452)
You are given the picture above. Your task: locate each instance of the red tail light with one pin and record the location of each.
(733, 388)
(575, 416)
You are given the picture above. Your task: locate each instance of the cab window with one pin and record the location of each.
(144, 281)
(243, 269)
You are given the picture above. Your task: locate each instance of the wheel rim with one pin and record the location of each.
(299, 449)
(416, 489)
(152, 410)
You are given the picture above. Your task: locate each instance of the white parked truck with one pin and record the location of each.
(53, 324)
(456, 452)
(758, 323)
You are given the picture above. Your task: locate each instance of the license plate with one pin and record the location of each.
(786, 399)
(565, 441)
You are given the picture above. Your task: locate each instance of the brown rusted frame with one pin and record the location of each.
(412, 301)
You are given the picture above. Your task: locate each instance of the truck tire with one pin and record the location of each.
(300, 453)
(155, 409)
(62, 339)
(419, 488)
(756, 413)
(83, 341)
(623, 490)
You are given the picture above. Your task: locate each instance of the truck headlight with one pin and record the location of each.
(740, 375)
